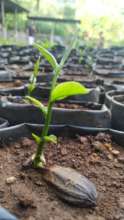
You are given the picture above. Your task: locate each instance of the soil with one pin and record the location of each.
(76, 77)
(25, 194)
(16, 83)
(85, 106)
(109, 79)
(76, 72)
(16, 99)
(118, 82)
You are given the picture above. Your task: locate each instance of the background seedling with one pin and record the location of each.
(33, 78)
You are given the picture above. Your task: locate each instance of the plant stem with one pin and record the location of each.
(41, 145)
(45, 130)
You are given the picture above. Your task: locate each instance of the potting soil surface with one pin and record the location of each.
(83, 106)
(24, 192)
(16, 83)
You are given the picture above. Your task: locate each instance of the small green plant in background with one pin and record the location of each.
(33, 78)
(89, 63)
(57, 92)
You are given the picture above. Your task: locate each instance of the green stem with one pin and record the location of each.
(40, 149)
(45, 130)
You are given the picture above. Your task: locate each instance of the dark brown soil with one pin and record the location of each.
(77, 77)
(69, 106)
(76, 72)
(30, 198)
(7, 85)
(85, 106)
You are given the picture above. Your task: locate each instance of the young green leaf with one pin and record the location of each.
(67, 53)
(36, 67)
(38, 104)
(33, 78)
(51, 138)
(36, 138)
(31, 87)
(66, 89)
(48, 56)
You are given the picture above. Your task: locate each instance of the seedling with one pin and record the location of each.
(57, 92)
(89, 63)
(33, 78)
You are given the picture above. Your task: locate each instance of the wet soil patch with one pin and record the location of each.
(30, 198)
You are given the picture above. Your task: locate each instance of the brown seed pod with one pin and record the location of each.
(71, 186)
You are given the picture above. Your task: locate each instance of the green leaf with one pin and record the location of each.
(31, 87)
(38, 104)
(36, 138)
(36, 67)
(66, 89)
(47, 55)
(67, 53)
(51, 138)
(33, 78)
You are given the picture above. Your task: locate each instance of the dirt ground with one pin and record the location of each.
(25, 194)
(7, 85)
